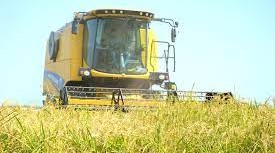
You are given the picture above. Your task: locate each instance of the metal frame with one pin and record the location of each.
(166, 55)
(119, 96)
(171, 22)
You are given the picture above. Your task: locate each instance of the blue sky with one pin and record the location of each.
(221, 45)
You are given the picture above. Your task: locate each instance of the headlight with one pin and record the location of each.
(84, 72)
(87, 73)
(161, 77)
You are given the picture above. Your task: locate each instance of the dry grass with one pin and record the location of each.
(180, 127)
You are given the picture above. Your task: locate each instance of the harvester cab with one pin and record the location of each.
(110, 58)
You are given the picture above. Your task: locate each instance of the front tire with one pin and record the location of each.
(63, 97)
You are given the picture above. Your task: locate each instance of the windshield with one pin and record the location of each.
(118, 46)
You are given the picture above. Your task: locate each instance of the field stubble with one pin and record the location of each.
(179, 127)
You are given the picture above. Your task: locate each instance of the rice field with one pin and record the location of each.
(179, 127)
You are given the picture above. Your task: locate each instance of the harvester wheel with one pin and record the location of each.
(63, 97)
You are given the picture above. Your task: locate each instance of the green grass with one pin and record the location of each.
(180, 127)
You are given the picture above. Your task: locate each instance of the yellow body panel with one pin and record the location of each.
(68, 60)
(152, 52)
(152, 63)
(76, 53)
(69, 57)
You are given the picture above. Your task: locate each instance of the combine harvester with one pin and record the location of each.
(110, 58)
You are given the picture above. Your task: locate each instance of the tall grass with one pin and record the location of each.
(179, 127)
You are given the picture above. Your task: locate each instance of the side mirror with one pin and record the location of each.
(173, 34)
(176, 24)
(74, 26)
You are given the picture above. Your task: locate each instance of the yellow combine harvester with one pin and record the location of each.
(110, 58)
